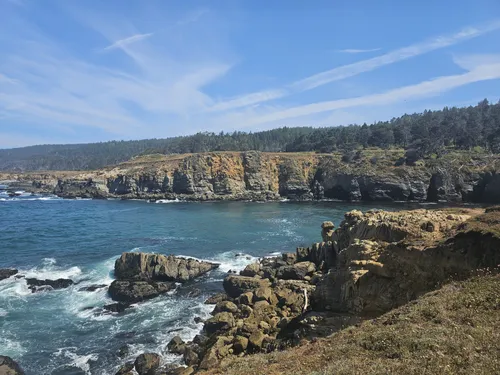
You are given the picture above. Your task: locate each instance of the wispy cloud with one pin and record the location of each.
(352, 50)
(126, 41)
(351, 70)
(432, 87)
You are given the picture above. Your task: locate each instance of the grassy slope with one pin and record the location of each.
(454, 330)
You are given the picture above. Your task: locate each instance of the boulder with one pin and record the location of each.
(221, 321)
(251, 270)
(236, 285)
(255, 341)
(147, 363)
(144, 266)
(176, 345)
(240, 344)
(36, 285)
(245, 298)
(126, 369)
(263, 294)
(190, 357)
(227, 306)
(298, 271)
(9, 367)
(6, 273)
(136, 291)
(213, 300)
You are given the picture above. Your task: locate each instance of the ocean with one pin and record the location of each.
(65, 332)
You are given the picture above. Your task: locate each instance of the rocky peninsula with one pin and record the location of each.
(371, 175)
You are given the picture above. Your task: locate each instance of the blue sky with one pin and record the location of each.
(76, 71)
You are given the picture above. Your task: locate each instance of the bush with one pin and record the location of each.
(374, 160)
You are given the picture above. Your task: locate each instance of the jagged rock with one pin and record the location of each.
(176, 345)
(213, 300)
(289, 258)
(143, 266)
(221, 321)
(251, 270)
(240, 344)
(147, 363)
(9, 367)
(136, 291)
(6, 273)
(36, 285)
(226, 306)
(327, 229)
(126, 369)
(236, 285)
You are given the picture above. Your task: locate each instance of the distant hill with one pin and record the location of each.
(427, 133)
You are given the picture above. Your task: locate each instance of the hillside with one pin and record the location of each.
(427, 134)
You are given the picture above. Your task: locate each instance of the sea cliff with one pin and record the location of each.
(372, 175)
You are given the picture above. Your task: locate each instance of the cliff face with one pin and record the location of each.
(373, 176)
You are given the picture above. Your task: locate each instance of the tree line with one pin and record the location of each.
(421, 134)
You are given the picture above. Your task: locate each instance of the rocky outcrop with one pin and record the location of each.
(9, 367)
(389, 258)
(7, 272)
(132, 291)
(143, 266)
(272, 176)
(142, 276)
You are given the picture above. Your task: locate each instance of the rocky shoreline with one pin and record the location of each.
(255, 176)
(372, 263)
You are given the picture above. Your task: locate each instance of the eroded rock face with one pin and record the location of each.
(143, 266)
(389, 258)
(9, 367)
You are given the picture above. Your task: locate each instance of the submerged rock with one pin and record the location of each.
(117, 307)
(136, 291)
(6, 273)
(92, 288)
(9, 367)
(143, 266)
(36, 285)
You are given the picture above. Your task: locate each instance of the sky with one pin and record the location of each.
(77, 71)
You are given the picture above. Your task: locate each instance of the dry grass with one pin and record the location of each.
(454, 330)
(487, 223)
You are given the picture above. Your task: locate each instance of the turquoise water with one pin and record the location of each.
(64, 331)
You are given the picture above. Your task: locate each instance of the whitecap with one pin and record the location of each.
(77, 360)
(176, 200)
